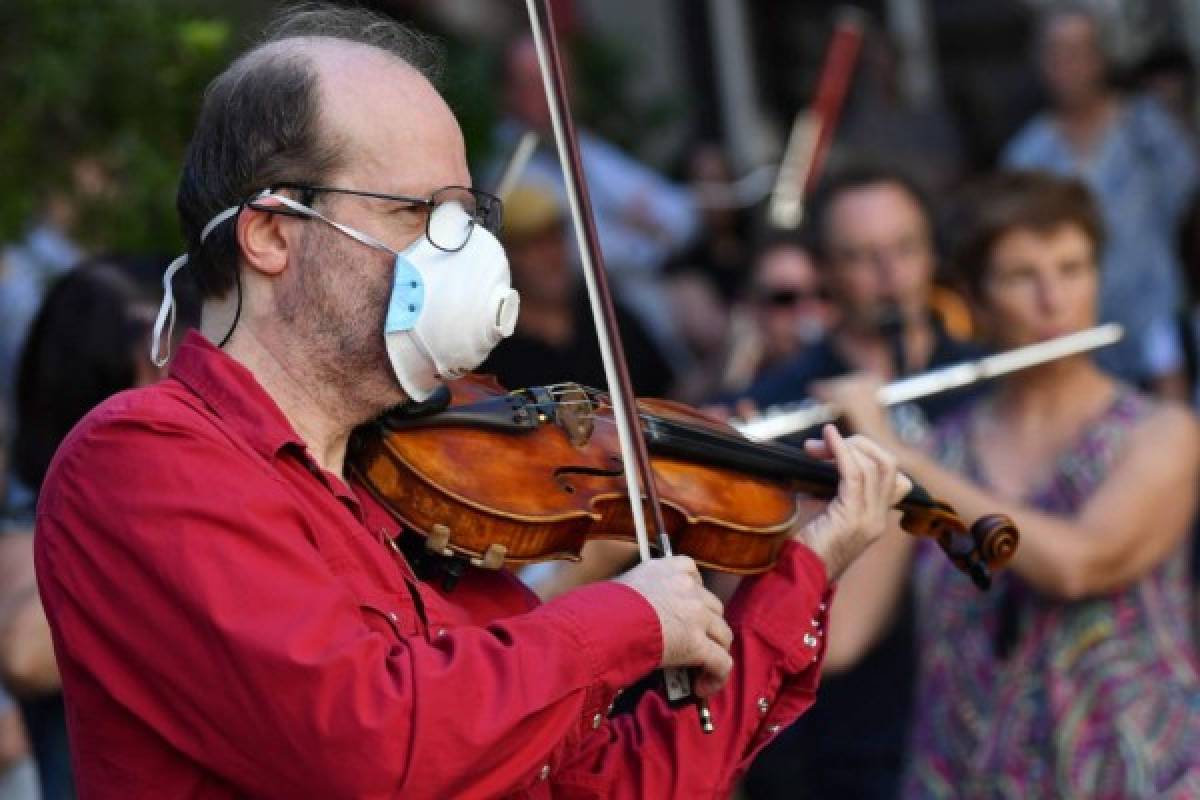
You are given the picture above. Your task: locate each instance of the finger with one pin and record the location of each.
(901, 484)
(850, 487)
(746, 408)
(881, 468)
(877, 451)
(715, 666)
(686, 566)
(826, 391)
(712, 603)
(720, 633)
(717, 411)
(818, 449)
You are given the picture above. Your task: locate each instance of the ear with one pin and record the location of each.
(264, 239)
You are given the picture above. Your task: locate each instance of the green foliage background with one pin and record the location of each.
(116, 83)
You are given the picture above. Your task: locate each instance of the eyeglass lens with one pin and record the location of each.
(451, 231)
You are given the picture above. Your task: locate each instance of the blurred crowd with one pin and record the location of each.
(908, 259)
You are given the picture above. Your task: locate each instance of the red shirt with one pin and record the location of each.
(230, 621)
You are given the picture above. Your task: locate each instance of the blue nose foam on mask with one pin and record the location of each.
(408, 297)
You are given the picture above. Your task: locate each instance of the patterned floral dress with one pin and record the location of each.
(1021, 695)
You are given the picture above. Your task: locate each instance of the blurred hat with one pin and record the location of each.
(529, 211)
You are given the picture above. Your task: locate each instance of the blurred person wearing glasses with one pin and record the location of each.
(873, 236)
(786, 310)
(235, 614)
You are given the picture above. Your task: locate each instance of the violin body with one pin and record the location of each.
(523, 482)
(509, 478)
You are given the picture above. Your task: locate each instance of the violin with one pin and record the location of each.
(509, 478)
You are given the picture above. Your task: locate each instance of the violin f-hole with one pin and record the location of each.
(562, 475)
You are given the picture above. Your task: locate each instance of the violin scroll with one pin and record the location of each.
(996, 539)
(990, 543)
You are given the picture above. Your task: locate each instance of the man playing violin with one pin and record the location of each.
(232, 614)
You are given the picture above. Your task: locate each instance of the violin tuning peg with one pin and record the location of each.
(438, 540)
(493, 557)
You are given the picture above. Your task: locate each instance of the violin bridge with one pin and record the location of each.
(574, 414)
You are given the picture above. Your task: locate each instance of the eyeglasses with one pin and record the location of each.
(786, 298)
(444, 231)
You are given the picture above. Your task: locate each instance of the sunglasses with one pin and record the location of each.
(786, 298)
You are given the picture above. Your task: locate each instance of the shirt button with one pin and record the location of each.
(810, 640)
(392, 616)
(596, 720)
(772, 729)
(815, 623)
(824, 606)
(763, 705)
(545, 773)
(442, 633)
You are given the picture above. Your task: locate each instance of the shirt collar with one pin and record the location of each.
(234, 394)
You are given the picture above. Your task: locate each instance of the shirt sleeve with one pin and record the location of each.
(181, 581)
(778, 621)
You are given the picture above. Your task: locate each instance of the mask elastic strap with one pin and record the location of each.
(166, 310)
(166, 315)
(300, 208)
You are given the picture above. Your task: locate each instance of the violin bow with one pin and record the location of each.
(635, 457)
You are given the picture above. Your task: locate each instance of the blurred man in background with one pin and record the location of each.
(641, 217)
(874, 241)
(555, 339)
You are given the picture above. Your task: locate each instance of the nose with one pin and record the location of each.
(1050, 296)
(885, 271)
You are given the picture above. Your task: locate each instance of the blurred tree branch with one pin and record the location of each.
(101, 97)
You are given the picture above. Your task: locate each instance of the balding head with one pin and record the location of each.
(284, 111)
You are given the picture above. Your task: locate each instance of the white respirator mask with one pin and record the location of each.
(447, 310)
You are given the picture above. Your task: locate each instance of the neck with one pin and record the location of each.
(1087, 116)
(323, 421)
(1046, 395)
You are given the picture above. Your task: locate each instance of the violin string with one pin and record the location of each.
(566, 395)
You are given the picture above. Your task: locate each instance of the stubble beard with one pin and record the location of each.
(336, 307)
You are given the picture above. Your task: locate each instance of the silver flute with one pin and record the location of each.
(779, 421)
